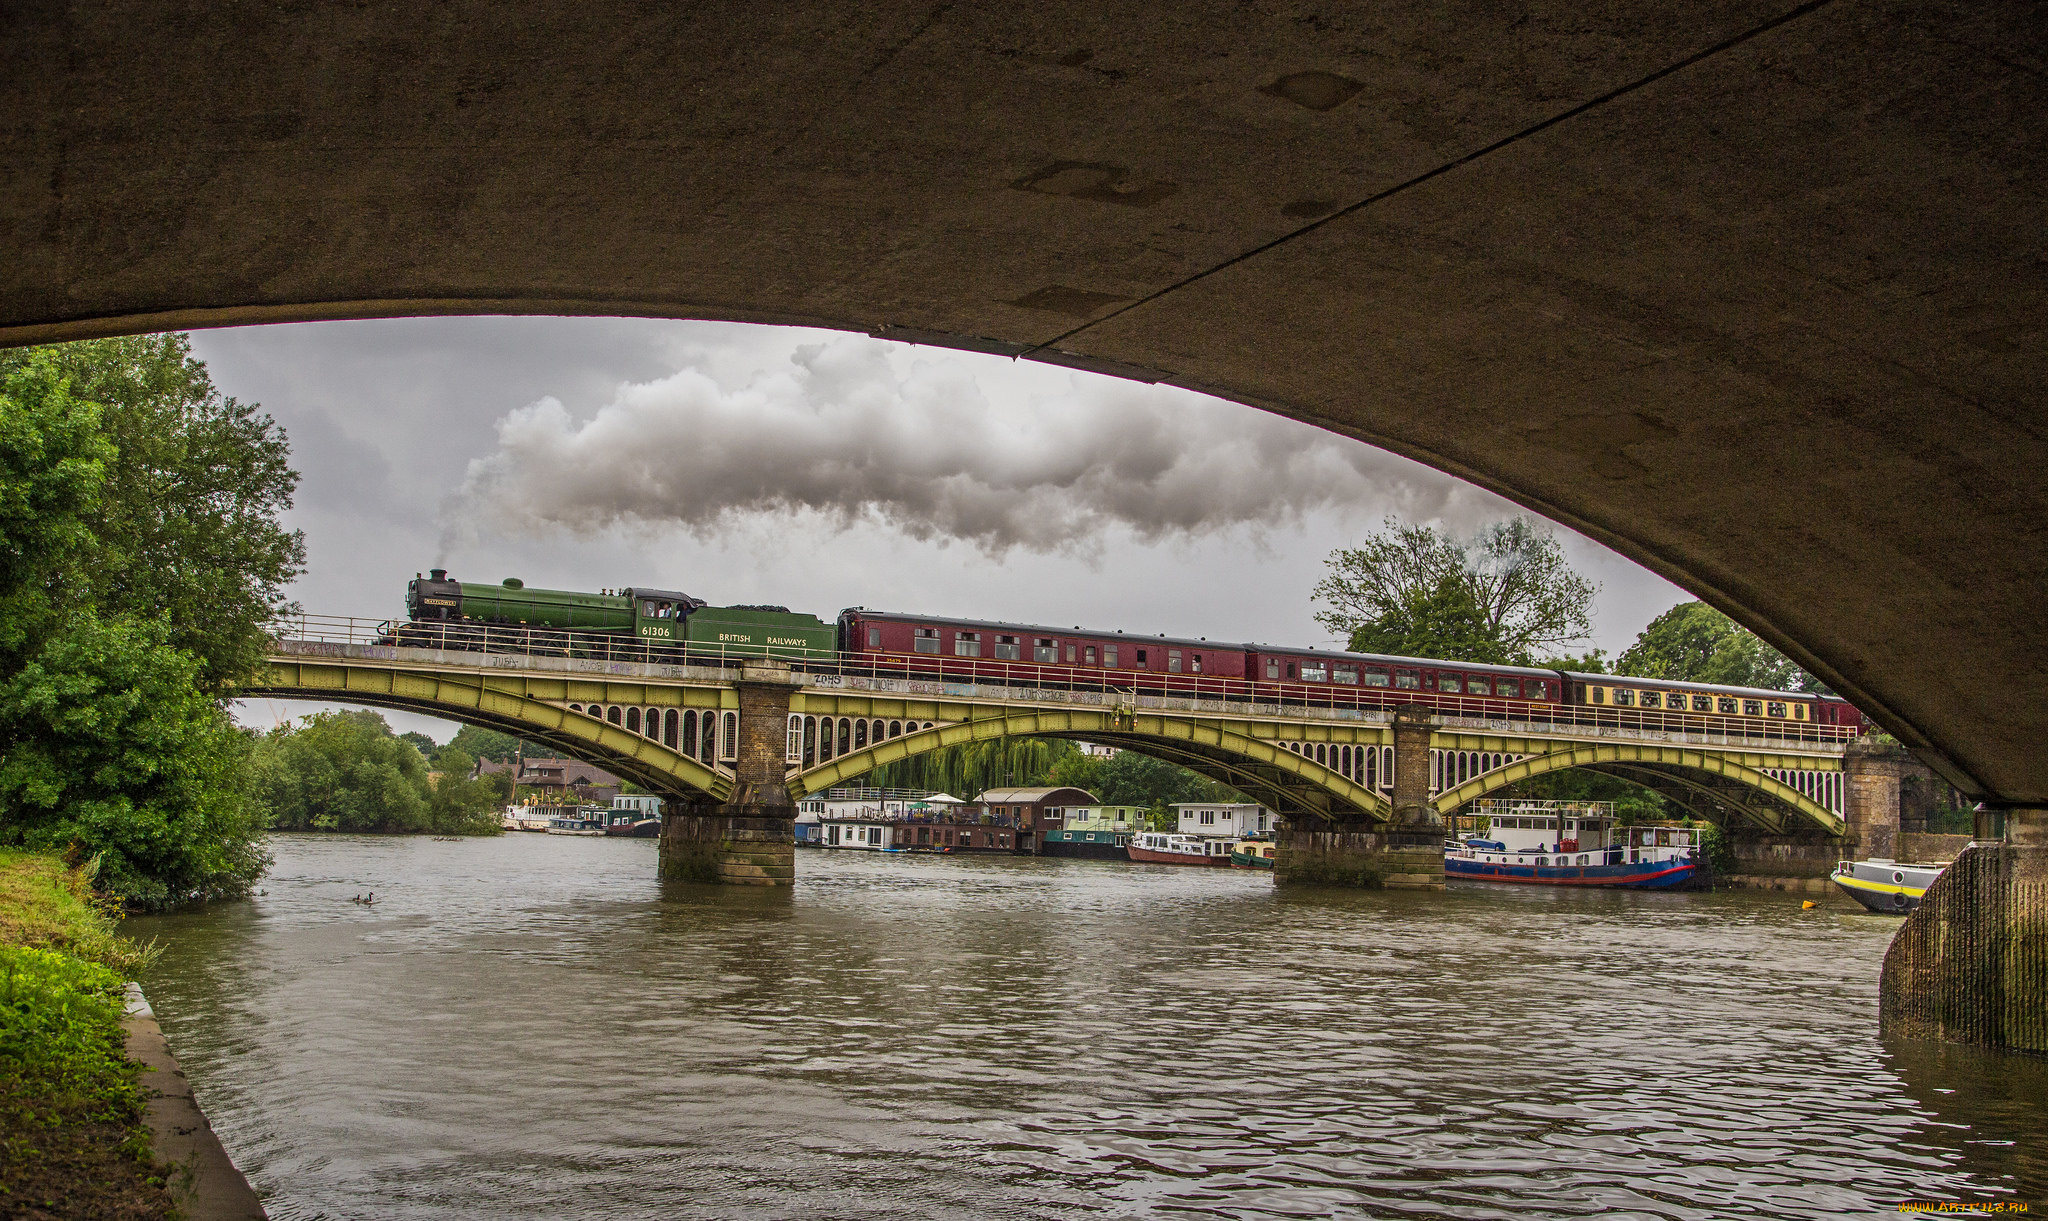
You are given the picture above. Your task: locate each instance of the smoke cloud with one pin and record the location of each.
(857, 429)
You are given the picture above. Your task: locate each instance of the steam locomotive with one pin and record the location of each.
(669, 625)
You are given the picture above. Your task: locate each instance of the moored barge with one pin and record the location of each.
(1570, 843)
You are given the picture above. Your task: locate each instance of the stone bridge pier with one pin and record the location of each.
(1405, 853)
(751, 839)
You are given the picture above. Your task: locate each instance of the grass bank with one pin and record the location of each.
(72, 1139)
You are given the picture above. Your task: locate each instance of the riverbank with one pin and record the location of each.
(74, 1138)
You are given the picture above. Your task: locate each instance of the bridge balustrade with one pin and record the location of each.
(599, 646)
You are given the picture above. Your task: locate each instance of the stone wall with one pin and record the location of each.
(1916, 846)
(750, 840)
(1359, 857)
(1970, 964)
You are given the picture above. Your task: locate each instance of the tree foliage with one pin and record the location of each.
(490, 744)
(185, 528)
(141, 562)
(1693, 642)
(1499, 596)
(1129, 778)
(346, 771)
(971, 768)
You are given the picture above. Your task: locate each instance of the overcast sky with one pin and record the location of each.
(819, 470)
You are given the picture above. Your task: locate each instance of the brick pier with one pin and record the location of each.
(750, 840)
(1405, 854)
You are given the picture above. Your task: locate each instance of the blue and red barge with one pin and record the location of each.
(1570, 843)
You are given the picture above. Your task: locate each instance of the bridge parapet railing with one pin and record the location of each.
(1136, 685)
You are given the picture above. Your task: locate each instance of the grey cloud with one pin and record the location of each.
(851, 429)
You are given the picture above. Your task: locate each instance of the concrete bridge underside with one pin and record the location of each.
(1752, 291)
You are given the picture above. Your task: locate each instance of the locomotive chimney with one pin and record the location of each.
(438, 574)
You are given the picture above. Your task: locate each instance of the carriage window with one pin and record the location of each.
(1752, 707)
(1109, 656)
(1272, 668)
(1477, 685)
(874, 638)
(967, 644)
(1447, 682)
(1652, 700)
(1535, 689)
(1596, 695)
(1798, 712)
(1774, 709)
(1344, 674)
(925, 639)
(1196, 662)
(1314, 672)
(1089, 654)
(1623, 697)
(1702, 703)
(1509, 687)
(1045, 649)
(1407, 680)
(1009, 649)
(1375, 678)
(1173, 661)
(1727, 704)
(1290, 669)
(1141, 658)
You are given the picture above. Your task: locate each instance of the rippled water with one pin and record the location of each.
(534, 1027)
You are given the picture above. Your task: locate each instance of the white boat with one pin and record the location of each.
(1887, 887)
(1166, 848)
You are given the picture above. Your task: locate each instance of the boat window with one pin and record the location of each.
(925, 639)
(1582, 860)
(1447, 682)
(1375, 678)
(1509, 687)
(1476, 684)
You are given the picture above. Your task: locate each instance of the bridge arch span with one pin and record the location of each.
(1694, 774)
(643, 760)
(1291, 785)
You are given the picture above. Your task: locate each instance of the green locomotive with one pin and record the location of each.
(455, 610)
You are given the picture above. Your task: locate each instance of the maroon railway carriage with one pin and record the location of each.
(1035, 654)
(1384, 679)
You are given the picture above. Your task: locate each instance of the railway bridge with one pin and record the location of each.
(732, 743)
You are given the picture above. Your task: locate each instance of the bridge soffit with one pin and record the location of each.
(1744, 767)
(505, 708)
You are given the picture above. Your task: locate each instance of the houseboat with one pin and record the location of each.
(863, 834)
(1167, 848)
(1887, 887)
(575, 824)
(1568, 843)
(1252, 854)
(1099, 833)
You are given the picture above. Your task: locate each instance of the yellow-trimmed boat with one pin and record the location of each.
(1887, 887)
(1252, 854)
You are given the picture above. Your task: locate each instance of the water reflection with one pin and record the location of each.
(533, 1026)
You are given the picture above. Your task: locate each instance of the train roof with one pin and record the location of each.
(1041, 629)
(1670, 684)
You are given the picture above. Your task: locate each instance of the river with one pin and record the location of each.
(533, 1026)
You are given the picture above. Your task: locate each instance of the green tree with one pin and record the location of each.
(1129, 778)
(1500, 595)
(346, 771)
(420, 742)
(112, 751)
(186, 526)
(970, 768)
(1693, 642)
(110, 743)
(489, 744)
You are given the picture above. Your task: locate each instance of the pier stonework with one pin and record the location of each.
(1970, 964)
(751, 839)
(1405, 854)
(1871, 789)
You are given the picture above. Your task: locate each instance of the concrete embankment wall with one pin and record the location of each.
(206, 1185)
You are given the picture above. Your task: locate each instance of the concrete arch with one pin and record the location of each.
(1665, 758)
(1289, 784)
(644, 761)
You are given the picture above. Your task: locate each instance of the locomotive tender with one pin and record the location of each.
(670, 623)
